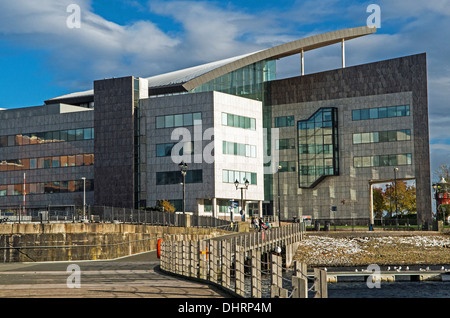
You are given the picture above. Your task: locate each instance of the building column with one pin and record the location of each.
(260, 208)
(343, 52)
(303, 63)
(371, 205)
(214, 207)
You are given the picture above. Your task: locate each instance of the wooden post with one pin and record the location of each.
(193, 259)
(320, 283)
(226, 263)
(213, 258)
(300, 287)
(276, 271)
(202, 260)
(239, 257)
(256, 274)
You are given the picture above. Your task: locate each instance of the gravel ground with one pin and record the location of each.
(354, 249)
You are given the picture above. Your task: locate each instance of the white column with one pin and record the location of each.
(260, 208)
(303, 63)
(371, 202)
(343, 52)
(214, 208)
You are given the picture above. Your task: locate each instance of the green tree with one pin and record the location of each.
(402, 197)
(166, 206)
(379, 205)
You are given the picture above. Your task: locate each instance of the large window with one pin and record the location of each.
(318, 147)
(284, 121)
(233, 148)
(174, 177)
(382, 136)
(165, 150)
(380, 112)
(47, 137)
(288, 143)
(48, 187)
(382, 160)
(178, 120)
(47, 162)
(230, 176)
(238, 121)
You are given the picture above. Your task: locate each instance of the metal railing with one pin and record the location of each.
(358, 224)
(241, 265)
(104, 214)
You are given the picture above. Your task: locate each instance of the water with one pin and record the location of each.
(405, 289)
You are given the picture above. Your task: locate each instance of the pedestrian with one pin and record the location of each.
(256, 223)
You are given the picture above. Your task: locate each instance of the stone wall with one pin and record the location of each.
(75, 241)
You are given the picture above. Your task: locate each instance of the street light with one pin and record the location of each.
(278, 194)
(246, 183)
(84, 198)
(183, 167)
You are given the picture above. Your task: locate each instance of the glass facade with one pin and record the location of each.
(247, 81)
(318, 147)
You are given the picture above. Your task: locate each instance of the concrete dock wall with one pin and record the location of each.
(83, 241)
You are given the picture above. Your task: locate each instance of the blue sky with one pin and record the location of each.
(40, 57)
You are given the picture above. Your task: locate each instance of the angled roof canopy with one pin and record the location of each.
(190, 78)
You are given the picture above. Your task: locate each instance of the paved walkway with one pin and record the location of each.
(131, 277)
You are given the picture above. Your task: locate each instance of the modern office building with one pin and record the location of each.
(308, 145)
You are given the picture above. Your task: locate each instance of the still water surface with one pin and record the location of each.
(406, 289)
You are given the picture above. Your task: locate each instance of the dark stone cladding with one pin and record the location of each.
(404, 74)
(114, 142)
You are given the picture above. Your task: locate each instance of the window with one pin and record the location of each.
(284, 121)
(178, 120)
(238, 121)
(287, 166)
(232, 148)
(230, 176)
(382, 136)
(382, 160)
(174, 177)
(381, 112)
(318, 148)
(285, 144)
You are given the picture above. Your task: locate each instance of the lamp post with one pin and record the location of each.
(84, 199)
(278, 195)
(245, 187)
(184, 167)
